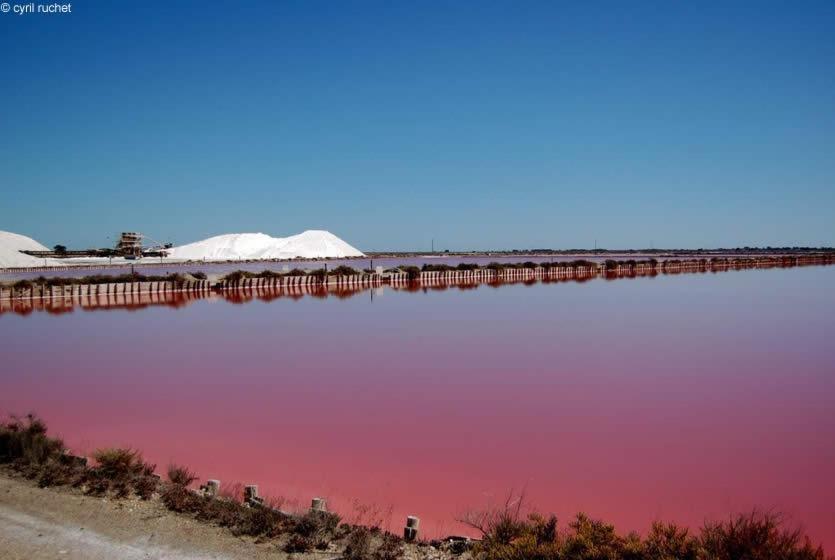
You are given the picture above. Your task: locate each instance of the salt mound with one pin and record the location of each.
(10, 246)
(311, 244)
(224, 247)
(315, 244)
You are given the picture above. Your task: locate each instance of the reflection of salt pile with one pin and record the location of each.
(10, 246)
(252, 246)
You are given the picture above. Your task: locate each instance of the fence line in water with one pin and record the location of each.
(27, 296)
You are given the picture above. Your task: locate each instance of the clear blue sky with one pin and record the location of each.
(479, 124)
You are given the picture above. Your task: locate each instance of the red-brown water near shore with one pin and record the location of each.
(680, 398)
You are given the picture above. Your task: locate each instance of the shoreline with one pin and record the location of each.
(103, 263)
(37, 472)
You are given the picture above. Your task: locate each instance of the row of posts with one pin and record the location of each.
(317, 505)
(377, 278)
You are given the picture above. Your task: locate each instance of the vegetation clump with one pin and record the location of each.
(343, 270)
(119, 471)
(181, 475)
(437, 268)
(508, 534)
(412, 272)
(95, 279)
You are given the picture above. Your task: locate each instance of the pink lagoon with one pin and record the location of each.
(683, 398)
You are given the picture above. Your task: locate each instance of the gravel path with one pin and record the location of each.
(38, 524)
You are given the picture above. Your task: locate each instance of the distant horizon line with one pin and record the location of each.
(606, 250)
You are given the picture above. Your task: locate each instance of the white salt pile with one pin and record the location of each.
(311, 244)
(10, 246)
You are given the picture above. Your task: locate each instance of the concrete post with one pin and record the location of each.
(410, 531)
(211, 488)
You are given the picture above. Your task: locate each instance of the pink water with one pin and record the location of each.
(680, 398)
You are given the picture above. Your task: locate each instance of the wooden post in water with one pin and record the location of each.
(318, 504)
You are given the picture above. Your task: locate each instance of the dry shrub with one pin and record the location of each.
(118, 471)
(369, 515)
(501, 523)
(754, 536)
(116, 462)
(145, 486)
(178, 474)
(757, 536)
(52, 473)
(25, 440)
(258, 521)
(591, 538)
(178, 498)
(391, 548)
(315, 528)
(275, 502)
(298, 543)
(242, 520)
(315, 524)
(667, 541)
(25, 444)
(224, 512)
(358, 546)
(232, 491)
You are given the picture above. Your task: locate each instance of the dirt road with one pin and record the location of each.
(40, 524)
